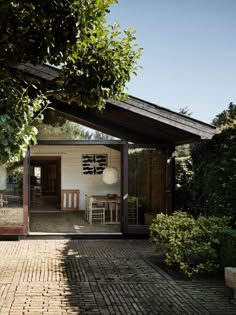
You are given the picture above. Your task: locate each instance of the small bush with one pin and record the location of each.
(227, 250)
(190, 245)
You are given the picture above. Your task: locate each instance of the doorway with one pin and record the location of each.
(45, 184)
(69, 175)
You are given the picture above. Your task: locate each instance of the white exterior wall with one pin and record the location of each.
(3, 177)
(71, 168)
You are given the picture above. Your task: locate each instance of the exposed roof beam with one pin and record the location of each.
(98, 123)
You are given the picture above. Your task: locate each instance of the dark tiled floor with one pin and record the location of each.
(46, 217)
(67, 222)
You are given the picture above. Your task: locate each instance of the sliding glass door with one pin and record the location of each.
(147, 186)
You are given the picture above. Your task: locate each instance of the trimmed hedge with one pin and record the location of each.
(228, 248)
(188, 244)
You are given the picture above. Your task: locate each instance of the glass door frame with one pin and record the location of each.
(139, 229)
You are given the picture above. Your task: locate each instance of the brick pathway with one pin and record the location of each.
(58, 277)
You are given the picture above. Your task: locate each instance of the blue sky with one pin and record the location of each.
(189, 52)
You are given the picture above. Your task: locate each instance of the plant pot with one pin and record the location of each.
(149, 216)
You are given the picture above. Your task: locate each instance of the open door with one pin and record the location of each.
(45, 183)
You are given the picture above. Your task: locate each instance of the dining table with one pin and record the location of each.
(113, 204)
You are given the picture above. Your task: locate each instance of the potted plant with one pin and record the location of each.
(149, 215)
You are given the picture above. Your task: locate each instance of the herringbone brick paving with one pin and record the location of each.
(105, 277)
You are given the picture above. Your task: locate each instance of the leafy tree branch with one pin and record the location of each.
(95, 61)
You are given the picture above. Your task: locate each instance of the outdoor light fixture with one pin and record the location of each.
(110, 174)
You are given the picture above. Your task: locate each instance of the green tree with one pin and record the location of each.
(184, 178)
(214, 167)
(206, 171)
(66, 131)
(184, 172)
(185, 111)
(102, 136)
(227, 118)
(95, 60)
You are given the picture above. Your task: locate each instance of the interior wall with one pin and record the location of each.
(71, 168)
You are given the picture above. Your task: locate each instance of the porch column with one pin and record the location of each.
(124, 187)
(170, 180)
(173, 174)
(26, 172)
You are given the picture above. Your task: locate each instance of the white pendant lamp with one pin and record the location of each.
(110, 174)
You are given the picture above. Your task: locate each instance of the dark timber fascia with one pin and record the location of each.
(166, 116)
(45, 72)
(81, 142)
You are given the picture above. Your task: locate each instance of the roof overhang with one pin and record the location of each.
(133, 119)
(139, 122)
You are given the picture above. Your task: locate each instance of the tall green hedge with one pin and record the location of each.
(214, 180)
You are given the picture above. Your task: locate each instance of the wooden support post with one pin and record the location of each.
(170, 179)
(26, 170)
(124, 187)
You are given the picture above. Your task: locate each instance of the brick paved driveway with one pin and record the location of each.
(89, 277)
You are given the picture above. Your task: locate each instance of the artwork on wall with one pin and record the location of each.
(93, 164)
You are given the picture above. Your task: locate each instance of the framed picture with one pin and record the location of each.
(93, 164)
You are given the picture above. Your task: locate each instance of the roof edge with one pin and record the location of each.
(171, 111)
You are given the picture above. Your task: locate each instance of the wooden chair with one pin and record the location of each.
(70, 199)
(95, 212)
(133, 206)
(36, 192)
(86, 213)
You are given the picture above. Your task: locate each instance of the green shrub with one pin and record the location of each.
(191, 245)
(228, 248)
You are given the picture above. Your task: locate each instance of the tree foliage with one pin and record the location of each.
(184, 172)
(102, 136)
(227, 118)
(184, 177)
(66, 131)
(19, 112)
(206, 171)
(95, 60)
(214, 167)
